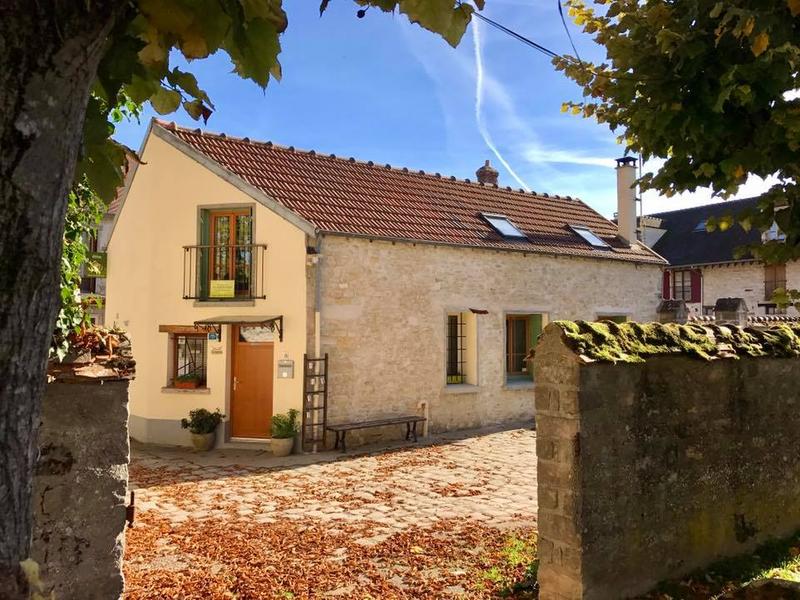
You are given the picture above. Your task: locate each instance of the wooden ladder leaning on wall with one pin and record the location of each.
(315, 403)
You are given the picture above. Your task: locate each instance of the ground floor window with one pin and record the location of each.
(522, 331)
(456, 348)
(774, 279)
(461, 348)
(188, 360)
(613, 318)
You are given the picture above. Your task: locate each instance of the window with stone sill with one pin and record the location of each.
(774, 279)
(188, 361)
(522, 332)
(460, 348)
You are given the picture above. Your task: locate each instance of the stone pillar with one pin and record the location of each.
(80, 488)
(557, 372)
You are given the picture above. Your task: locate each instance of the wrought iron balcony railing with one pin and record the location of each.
(224, 272)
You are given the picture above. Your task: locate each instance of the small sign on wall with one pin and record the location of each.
(222, 288)
(285, 369)
(213, 336)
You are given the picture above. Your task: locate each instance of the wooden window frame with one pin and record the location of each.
(774, 278)
(685, 287)
(174, 341)
(525, 318)
(231, 213)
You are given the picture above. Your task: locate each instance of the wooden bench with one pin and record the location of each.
(341, 429)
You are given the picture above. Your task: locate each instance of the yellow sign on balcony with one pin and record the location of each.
(222, 288)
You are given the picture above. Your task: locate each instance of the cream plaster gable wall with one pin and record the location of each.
(145, 278)
(383, 320)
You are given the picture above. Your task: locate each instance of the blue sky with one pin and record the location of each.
(381, 89)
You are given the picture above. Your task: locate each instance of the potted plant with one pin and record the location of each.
(187, 382)
(202, 424)
(284, 430)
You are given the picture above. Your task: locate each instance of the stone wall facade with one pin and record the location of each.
(80, 488)
(383, 318)
(647, 471)
(741, 280)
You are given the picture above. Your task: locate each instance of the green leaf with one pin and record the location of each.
(197, 109)
(165, 101)
(254, 49)
(188, 83)
(439, 16)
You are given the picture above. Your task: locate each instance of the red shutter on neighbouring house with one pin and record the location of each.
(665, 286)
(697, 282)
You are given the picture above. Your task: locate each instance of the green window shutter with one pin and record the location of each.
(535, 327)
(203, 253)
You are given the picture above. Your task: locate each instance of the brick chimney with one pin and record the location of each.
(487, 174)
(626, 198)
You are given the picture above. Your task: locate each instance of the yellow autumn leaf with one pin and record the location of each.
(576, 110)
(760, 43)
(748, 26)
(564, 107)
(794, 7)
(738, 172)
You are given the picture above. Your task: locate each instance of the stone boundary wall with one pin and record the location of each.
(80, 488)
(683, 451)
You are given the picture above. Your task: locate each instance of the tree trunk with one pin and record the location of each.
(49, 52)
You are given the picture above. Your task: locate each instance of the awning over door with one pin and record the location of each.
(273, 322)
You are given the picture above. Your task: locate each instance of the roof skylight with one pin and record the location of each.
(589, 236)
(503, 226)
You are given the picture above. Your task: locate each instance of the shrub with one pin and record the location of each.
(285, 426)
(202, 421)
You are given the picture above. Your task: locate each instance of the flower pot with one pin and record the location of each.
(186, 385)
(203, 441)
(281, 446)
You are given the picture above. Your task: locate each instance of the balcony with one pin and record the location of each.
(215, 273)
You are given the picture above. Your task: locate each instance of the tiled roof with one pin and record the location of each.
(683, 244)
(343, 195)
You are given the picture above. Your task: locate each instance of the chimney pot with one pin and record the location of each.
(487, 174)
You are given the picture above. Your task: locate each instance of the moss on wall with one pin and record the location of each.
(633, 342)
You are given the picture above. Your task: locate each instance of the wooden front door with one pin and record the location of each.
(251, 395)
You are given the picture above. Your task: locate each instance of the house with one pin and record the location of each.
(704, 266)
(231, 261)
(93, 281)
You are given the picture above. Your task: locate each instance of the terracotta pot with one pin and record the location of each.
(186, 385)
(203, 441)
(281, 446)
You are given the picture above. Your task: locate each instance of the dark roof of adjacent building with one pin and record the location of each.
(685, 243)
(353, 197)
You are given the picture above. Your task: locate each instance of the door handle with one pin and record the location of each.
(235, 383)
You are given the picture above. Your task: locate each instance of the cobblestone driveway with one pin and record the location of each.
(420, 522)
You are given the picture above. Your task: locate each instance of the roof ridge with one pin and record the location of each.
(172, 126)
(701, 206)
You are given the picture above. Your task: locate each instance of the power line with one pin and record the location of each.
(517, 36)
(551, 54)
(569, 35)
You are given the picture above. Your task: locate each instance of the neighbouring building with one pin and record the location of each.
(231, 260)
(704, 266)
(93, 282)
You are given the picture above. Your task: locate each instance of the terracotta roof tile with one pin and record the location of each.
(352, 197)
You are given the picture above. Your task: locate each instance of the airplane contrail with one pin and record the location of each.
(484, 131)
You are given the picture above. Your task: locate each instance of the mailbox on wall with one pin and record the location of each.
(285, 369)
